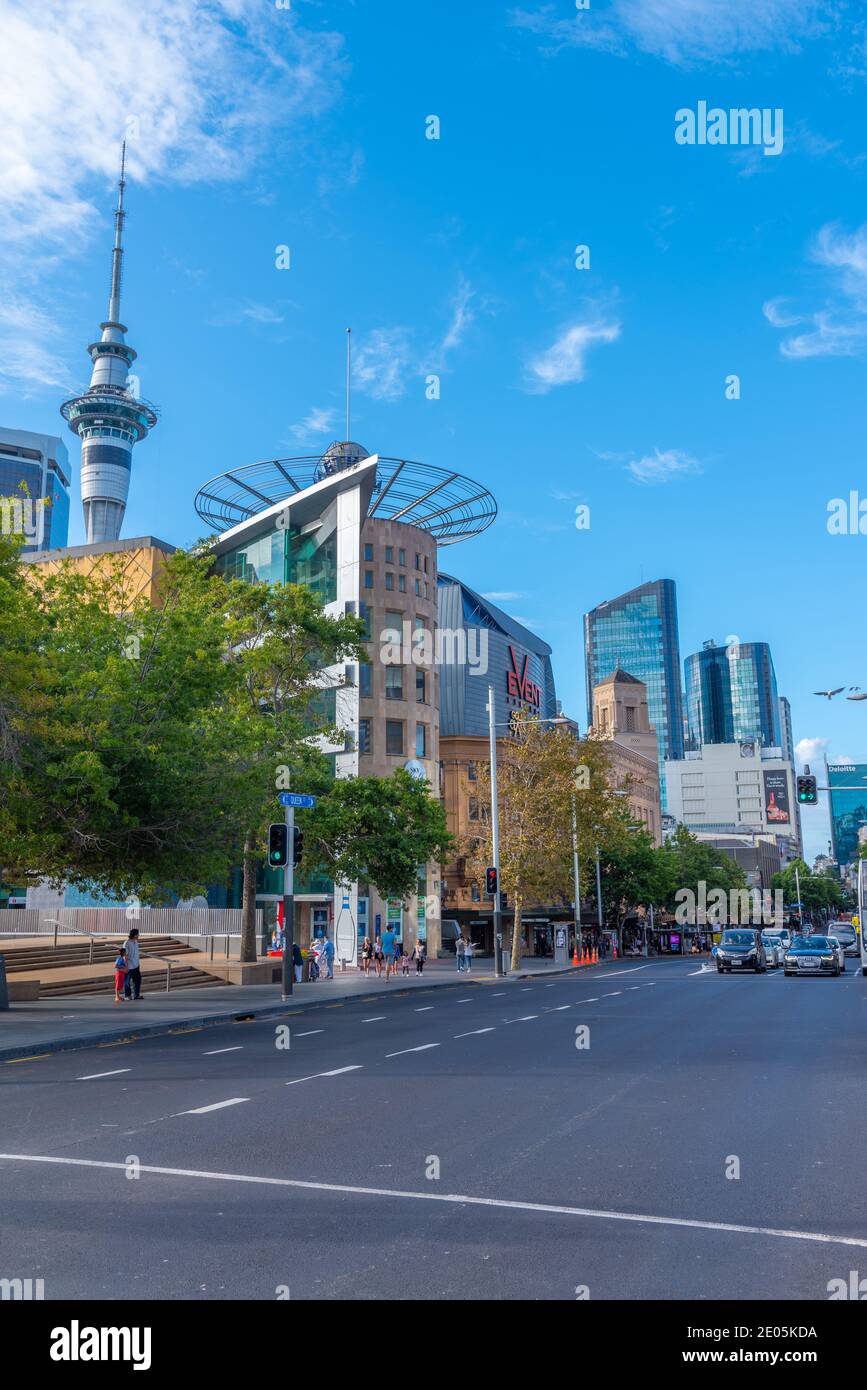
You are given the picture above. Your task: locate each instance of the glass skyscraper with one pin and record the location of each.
(731, 695)
(41, 463)
(848, 808)
(638, 633)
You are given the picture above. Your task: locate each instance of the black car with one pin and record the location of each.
(811, 955)
(741, 948)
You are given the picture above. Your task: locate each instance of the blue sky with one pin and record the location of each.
(256, 127)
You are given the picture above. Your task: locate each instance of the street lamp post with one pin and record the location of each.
(495, 838)
(576, 872)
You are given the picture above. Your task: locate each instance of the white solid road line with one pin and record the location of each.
(310, 1034)
(424, 1047)
(454, 1198)
(95, 1076)
(559, 1009)
(220, 1105)
(464, 1001)
(338, 1071)
(217, 1050)
(474, 1032)
(376, 1019)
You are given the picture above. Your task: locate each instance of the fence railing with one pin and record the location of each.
(115, 921)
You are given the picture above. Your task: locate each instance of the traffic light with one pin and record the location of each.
(491, 883)
(297, 845)
(807, 794)
(278, 846)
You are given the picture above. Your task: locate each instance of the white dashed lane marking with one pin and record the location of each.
(310, 1034)
(217, 1050)
(424, 1047)
(338, 1071)
(377, 1018)
(474, 1032)
(96, 1075)
(219, 1105)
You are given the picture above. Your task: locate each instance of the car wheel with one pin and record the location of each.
(864, 969)
(719, 970)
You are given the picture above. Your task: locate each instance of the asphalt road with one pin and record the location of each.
(457, 1145)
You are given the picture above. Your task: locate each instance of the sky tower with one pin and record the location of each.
(110, 417)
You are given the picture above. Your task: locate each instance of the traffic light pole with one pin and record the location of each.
(289, 905)
(495, 838)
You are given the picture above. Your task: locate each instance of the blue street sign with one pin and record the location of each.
(297, 799)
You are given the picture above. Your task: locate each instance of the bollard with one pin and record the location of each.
(4, 991)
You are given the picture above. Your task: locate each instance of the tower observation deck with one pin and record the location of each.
(109, 418)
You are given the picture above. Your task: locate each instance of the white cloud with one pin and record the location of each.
(462, 316)
(812, 751)
(662, 465)
(318, 422)
(682, 32)
(505, 597)
(198, 87)
(25, 332)
(839, 328)
(248, 312)
(565, 360)
(381, 366)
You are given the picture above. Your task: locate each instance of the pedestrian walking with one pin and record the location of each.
(328, 953)
(468, 955)
(297, 962)
(377, 955)
(132, 988)
(460, 952)
(120, 975)
(313, 962)
(366, 953)
(404, 963)
(388, 949)
(419, 954)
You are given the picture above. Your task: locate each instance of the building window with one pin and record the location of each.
(394, 738)
(365, 680)
(417, 561)
(394, 682)
(421, 686)
(389, 579)
(418, 588)
(473, 810)
(421, 740)
(472, 775)
(365, 742)
(393, 625)
(389, 554)
(368, 553)
(475, 893)
(368, 579)
(401, 583)
(401, 556)
(630, 719)
(425, 564)
(366, 615)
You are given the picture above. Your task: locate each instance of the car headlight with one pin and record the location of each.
(791, 960)
(829, 957)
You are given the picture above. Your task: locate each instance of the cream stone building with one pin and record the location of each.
(621, 716)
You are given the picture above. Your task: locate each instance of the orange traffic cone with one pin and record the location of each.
(575, 960)
(595, 960)
(615, 950)
(585, 959)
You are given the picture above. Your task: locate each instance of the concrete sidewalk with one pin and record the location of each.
(59, 1025)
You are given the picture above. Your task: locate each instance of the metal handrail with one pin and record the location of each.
(76, 931)
(152, 955)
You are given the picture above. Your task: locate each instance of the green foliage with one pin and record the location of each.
(378, 830)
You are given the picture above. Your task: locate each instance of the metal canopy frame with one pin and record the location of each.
(401, 489)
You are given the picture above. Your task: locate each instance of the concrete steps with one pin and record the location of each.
(153, 982)
(46, 957)
(36, 970)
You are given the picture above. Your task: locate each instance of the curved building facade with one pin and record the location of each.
(731, 695)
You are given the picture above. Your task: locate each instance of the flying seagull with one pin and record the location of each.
(829, 694)
(856, 697)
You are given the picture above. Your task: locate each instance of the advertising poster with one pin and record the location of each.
(776, 798)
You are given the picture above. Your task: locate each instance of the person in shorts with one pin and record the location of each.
(119, 975)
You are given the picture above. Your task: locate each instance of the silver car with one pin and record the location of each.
(838, 946)
(774, 949)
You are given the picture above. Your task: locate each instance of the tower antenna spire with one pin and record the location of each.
(117, 252)
(348, 376)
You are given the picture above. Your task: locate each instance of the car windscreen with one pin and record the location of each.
(800, 942)
(816, 943)
(738, 938)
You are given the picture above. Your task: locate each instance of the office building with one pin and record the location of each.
(621, 716)
(731, 695)
(638, 632)
(848, 808)
(732, 788)
(40, 510)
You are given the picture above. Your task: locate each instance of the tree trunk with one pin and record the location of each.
(248, 905)
(516, 935)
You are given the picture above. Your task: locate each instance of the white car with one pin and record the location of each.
(774, 949)
(841, 953)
